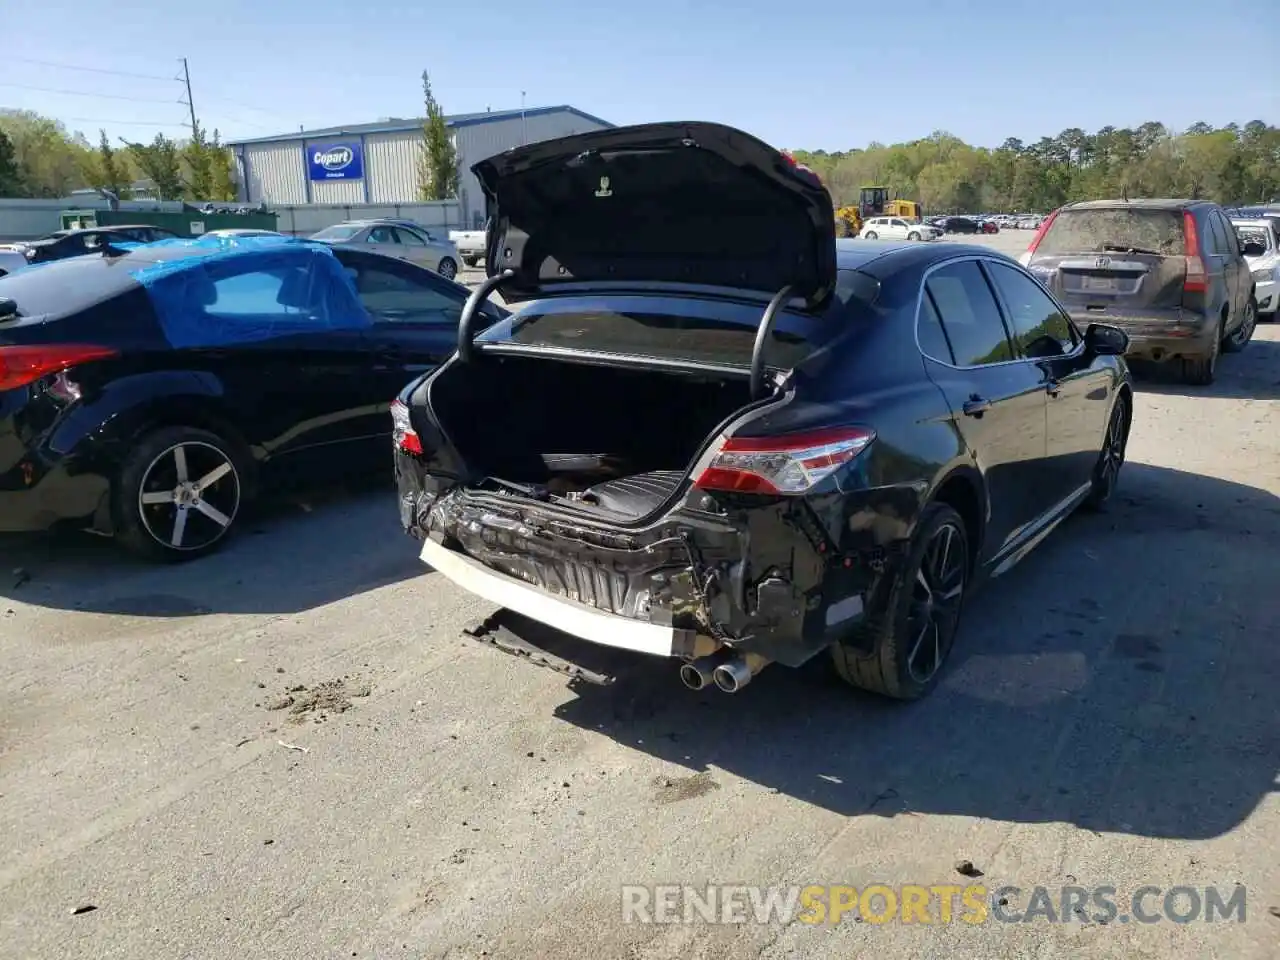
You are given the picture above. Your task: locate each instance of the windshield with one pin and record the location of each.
(343, 231)
(684, 328)
(1133, 228)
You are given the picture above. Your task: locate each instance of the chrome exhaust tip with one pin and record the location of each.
(733, 675)
(697, 674)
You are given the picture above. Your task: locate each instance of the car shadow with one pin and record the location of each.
(1122, 678)
(1253, 374)
(295, 552)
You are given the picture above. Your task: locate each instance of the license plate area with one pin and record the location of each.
(1098, 284)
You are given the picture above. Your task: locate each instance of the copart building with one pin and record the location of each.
(377, 163)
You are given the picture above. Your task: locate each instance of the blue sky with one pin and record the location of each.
(814, 75)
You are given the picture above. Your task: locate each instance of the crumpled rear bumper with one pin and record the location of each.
(757, 581)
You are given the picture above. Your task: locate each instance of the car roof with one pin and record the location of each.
(1140, 204)
(882, 258)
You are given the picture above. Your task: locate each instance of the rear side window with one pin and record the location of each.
(929, 332)
(1039, 328)
(969, 314)
(1118, 229)
(1221, 242)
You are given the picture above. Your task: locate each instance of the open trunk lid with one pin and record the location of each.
(680, 203)
(1117, 258)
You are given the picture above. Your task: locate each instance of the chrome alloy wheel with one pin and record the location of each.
(189, 496)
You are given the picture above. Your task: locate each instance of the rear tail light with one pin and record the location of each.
(1045, 224)
(404, 436)
(20, 366)
(789, 463)
(1197, 280)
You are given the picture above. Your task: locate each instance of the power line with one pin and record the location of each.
(128, 123)
(74, 66)
(82, 93)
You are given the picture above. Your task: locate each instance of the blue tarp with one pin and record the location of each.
(233, 290)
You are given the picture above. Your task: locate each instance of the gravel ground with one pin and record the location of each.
(287, 750)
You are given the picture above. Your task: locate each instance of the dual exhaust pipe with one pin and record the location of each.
(728, 675)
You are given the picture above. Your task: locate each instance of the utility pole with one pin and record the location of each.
(523, 136)
(186, 76)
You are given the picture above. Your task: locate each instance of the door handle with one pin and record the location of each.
(976, 406)
(1053, 388)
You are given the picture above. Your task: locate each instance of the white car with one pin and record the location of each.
(243, 232)
(470, 244)
(896, 228)
(1262, 253)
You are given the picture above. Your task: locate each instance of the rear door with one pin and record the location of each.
(414, 248)
(1077, 394)
(1235, 269)
(1220, 253)
(1116, 262)
(997, 400)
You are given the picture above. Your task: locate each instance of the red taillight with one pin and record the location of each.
(789, 463)
(403, 434)
(1041, 231)
(1197, 280)
(20, 366)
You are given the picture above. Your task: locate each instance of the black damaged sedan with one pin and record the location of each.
(712, 432)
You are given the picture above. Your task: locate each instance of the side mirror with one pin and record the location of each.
(1104, 340)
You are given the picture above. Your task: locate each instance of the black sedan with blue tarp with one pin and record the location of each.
(149, 393)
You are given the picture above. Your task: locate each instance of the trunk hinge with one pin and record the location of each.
(762, 337)
(472, 307)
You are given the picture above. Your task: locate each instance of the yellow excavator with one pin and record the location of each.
(873, 202)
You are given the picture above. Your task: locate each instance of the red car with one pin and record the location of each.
(990, 226)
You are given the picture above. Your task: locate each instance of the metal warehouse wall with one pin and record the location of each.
(277, 172)
(305, 219)
(477, 141)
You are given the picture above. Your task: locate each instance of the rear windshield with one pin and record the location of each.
(337, 233)
(64, 287)
(1117, 230)
(669, 328)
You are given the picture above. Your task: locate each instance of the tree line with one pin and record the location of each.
(1232, 165)
(41, 158)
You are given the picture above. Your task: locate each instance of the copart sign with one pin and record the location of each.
(335, 161)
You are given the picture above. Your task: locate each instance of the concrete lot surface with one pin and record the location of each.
(287, 750)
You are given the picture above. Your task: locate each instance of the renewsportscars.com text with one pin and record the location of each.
(934, 904)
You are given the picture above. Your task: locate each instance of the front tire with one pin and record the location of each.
(913, 236)
(1106, 472)
(447, 268)
(177, 494)
(1244, 333)
(914, 633)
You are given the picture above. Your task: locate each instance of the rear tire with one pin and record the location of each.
(1203, 371)
(1106, 472)
(470, 261)
(178, 493)
(912, 636)
(1244, 333)
(872, 235)
(447, 268)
